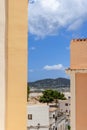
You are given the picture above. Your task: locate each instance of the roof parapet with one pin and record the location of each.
(80, 39)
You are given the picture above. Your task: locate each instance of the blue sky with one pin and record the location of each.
(52, 25)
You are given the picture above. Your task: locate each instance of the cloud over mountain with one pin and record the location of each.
(47, 17)
(54, 67)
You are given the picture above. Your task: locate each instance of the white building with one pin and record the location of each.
(38, 117)
(53, 112)
(41, 117)
(67, 95)
(64, 106)
(57, 120)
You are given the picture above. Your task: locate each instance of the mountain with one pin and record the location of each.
(51, 83)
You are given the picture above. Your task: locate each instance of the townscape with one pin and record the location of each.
(43, 65)
(46, 114)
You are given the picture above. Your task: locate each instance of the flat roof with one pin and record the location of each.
(69, 70)
(80, 39)
(51, 109)
(36, 104)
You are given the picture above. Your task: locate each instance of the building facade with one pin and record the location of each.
(43, 117)
(64, 106)
(78, 75)
(38, 117)
(57, 120)
(13, 64)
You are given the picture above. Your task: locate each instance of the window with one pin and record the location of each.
(53, 116)
(66, 110)
(66, 104)
(29, 116)
(69, 97)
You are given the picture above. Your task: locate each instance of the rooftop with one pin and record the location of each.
(80, 39)
(36, 104)
(76, 70)
(52, 109)
(64, 101)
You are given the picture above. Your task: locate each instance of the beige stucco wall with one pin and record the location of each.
(2, 64)
(78, 59)
(16, 64)
(81, 103)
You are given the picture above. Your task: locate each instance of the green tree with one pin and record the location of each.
(46, 100)
(48, 93)
(47, 96)
(55, 96)
(69, 128)
(58, 95)
(61, 96)
(51, 95)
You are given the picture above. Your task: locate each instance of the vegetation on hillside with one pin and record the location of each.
(51, 83)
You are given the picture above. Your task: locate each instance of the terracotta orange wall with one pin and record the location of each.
(16, 64)
(81, 101)
(78, 54)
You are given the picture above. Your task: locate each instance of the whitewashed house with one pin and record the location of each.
(38, 117)
(57, 120)
(64, 106)
(43, 117)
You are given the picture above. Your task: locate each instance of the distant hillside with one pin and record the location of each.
(51, 83)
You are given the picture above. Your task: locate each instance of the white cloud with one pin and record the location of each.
(54, 67)
(75, 25)
(47, 17)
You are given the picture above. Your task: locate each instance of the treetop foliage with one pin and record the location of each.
(50, 95)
